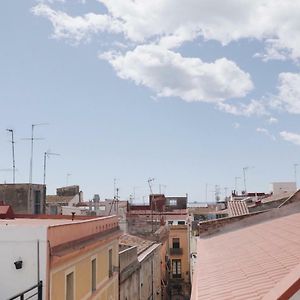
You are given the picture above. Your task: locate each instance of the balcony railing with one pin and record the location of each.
(35, 292)
(176, 251)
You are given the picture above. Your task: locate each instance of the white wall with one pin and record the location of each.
(75, 200)
(79, 211)
(283, 187)
(16, 243)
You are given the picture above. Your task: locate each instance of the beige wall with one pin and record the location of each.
(107, 287)
(164, 252)
(145, 271)
(151, 270)
(129, 289)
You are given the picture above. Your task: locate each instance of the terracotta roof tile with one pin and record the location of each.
(131, 240)
(249, 262)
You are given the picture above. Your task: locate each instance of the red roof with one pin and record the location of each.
(6, 212)
(255, 262)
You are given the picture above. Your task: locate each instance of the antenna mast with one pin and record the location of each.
(295, 173)
(47, 155)
(150, 180)
(244, 175)
(13, 154)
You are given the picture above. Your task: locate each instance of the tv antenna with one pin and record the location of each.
(150, 182)
(236, 178)
(295, 173)
(47, 154)
(67, 178)
(244, 176)
(32, 139)
(13, 153)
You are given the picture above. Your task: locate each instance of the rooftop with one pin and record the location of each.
(132, 240)
(253, 262)
(58, 199)
(34, 222)
(237, 208)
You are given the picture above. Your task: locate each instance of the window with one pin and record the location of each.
(94, 270)
(37, 202)
(176, 243)
(110, 266)
(173, 202)
(70, 286)
(181, 222)
(170, 222)
(176, 268)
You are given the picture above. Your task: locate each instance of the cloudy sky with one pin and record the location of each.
(186, 92)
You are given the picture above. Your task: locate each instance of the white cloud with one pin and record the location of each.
(170, 74)
(172, 22)
(275, 22)
(77, 29)
(254, 107)
(272, 120)
(290, 137)
(288, 97)
(266, 132)
(154, 27)
(236, 125)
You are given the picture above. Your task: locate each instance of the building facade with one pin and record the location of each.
(140, 269)
(179, 263)
(74, 259)
(24, 198)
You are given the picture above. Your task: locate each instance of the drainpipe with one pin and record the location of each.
(152, 277)
(38, 260)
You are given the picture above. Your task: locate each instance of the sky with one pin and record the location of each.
(186, 92)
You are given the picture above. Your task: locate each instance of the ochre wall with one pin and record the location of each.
(180, 231)
(107, 287)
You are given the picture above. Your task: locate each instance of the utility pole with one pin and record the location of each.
(13, 154)
(47, 154)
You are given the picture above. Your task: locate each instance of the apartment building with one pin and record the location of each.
(24, 198)
(140, 269)
(179, 266)
(61, 257)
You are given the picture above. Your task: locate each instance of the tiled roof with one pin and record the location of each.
(237, 208)
(249, 263)
(4, 209)
(282, 196)
(131, 240)
(58, 199)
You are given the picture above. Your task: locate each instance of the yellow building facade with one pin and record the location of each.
(179, 267)
(83, 260)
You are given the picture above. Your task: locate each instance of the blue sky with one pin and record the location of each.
(179, 97)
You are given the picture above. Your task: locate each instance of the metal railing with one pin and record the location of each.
(35, 292)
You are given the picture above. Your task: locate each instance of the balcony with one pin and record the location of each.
(36, 291)
(176, 251)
